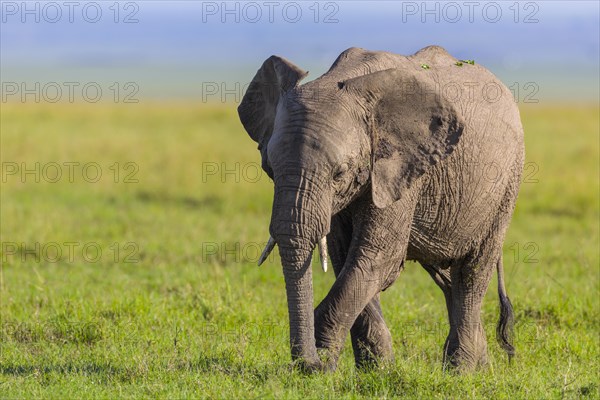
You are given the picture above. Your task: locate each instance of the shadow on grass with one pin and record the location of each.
(105, 371)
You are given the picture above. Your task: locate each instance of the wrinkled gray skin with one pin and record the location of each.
(391, 161)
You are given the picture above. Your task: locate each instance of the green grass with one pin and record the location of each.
(179, 311)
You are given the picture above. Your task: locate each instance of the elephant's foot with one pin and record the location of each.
(466, 354)
(308, 365)
(329, 351)
(372, 344)
(329, 358)
(462, 363)
(368, 356)
(306, 359)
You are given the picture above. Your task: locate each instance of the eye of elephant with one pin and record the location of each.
(340, 171)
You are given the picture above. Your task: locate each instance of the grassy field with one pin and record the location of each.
(130, 236)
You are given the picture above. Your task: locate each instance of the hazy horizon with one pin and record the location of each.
(176, 48)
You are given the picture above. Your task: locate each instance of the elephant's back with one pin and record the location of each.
(482, 101)
(355, 62)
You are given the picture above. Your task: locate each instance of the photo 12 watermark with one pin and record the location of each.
(253, 12)
(246, 332)
(453, 12)
(525, 253)
(63, 330)
(69, 172)
(232, 172)
(224, 253)
(70, 92)
(525, 332)
(491, 172)
(52, 252)
(452, 91)
(52, 12)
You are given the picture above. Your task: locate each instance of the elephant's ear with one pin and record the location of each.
(258, 107)
(412, 126)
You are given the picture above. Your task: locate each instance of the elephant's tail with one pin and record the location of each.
(504, 329)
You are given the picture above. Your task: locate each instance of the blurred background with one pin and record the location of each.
(170, 49)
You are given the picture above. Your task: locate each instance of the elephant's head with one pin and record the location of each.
(326, 143)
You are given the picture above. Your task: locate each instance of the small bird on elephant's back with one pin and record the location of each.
(386, 158)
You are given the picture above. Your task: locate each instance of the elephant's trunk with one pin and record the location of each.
(300, 218)
(298, 283)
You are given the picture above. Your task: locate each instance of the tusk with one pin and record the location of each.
(323, 252)
(268, 249)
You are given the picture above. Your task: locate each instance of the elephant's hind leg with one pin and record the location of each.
(371, 338)
(466, 346)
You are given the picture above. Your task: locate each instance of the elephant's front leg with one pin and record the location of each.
(371, 338)
(443, 279)
(375, 255)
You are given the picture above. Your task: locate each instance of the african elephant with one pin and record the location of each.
(382, 159)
